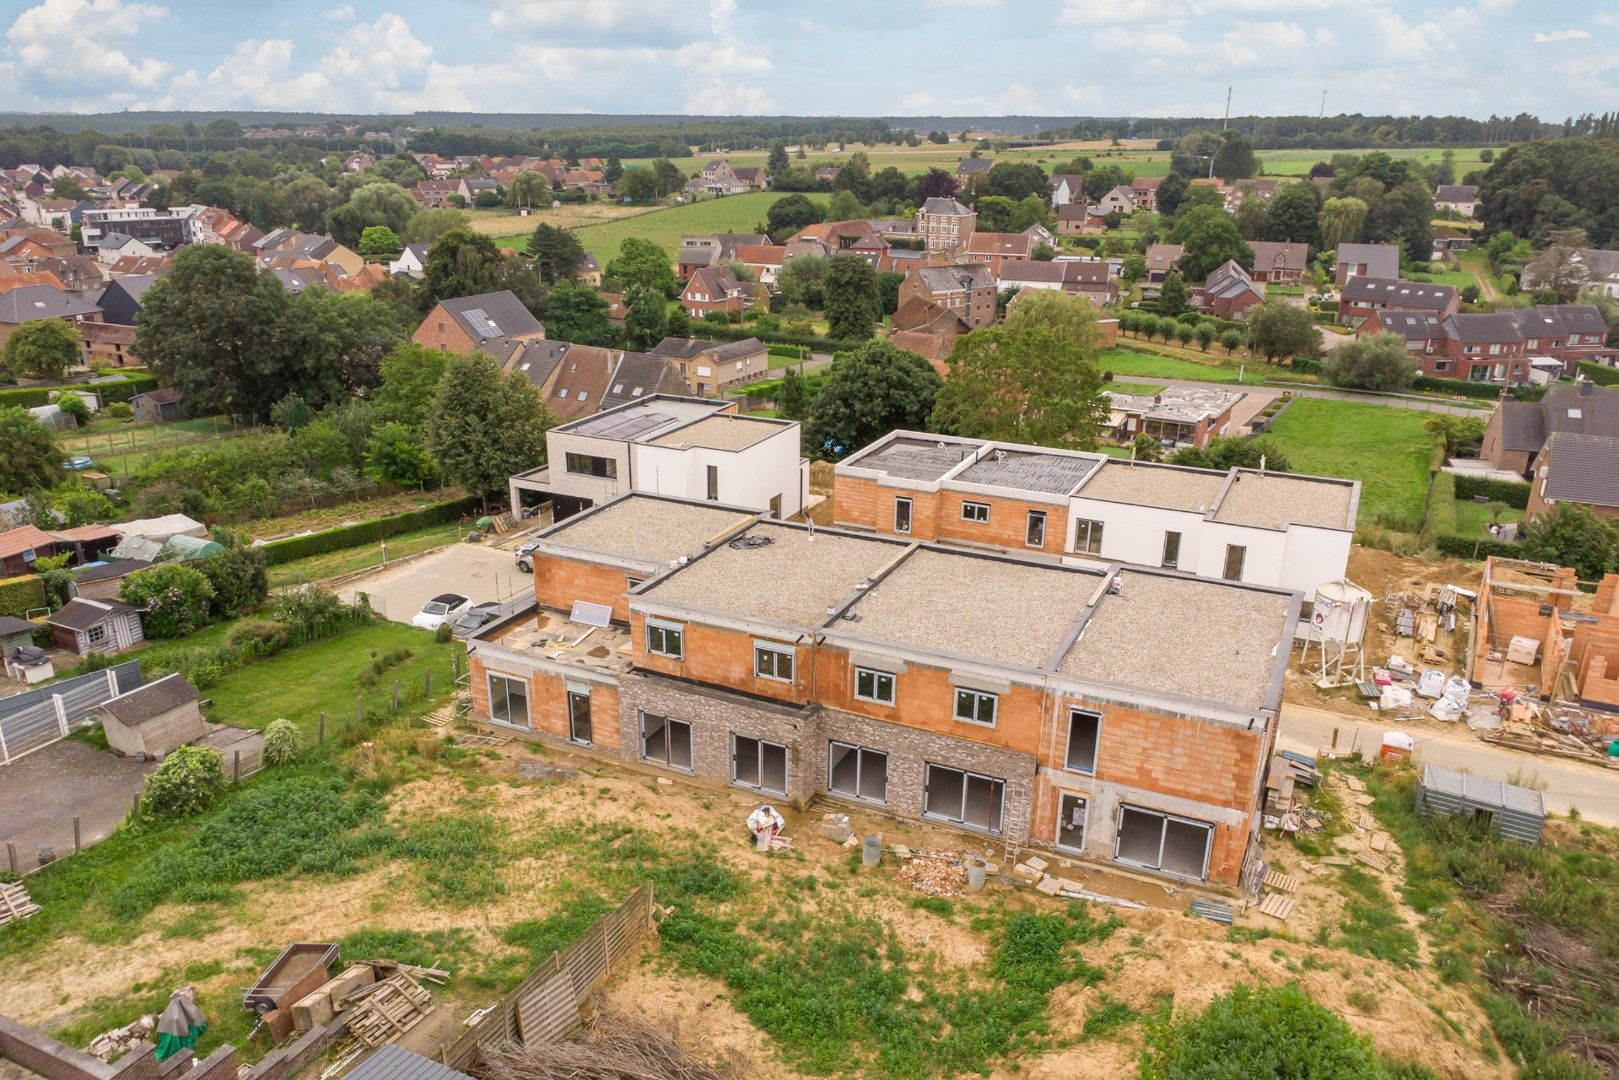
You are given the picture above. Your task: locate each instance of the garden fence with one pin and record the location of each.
(33, 720)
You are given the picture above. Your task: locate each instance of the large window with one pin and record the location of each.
(902, 515)
(1084, 733)
(665, 639)
(758, 764)
(508, 700)
(1035, 535)
(963, 797)
(589, 465)
(665, 741)
(1088, 536)
(1159, 841)
(877, 686)
(772, 661)
(579, 717)
(857, 772)
(975, 706)
(975, 511)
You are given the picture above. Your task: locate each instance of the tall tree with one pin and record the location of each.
(1341, 222)
(428, 225)
(41, 349)
(1572, 535)
(337, 341)
(378, 241)
(1377, 362)
(790, 213)
(1560, 270)
(1235, 158)
(868, 393)
(1294, 215)
(485, 427)
(1278, 329)
(646, 319)
(558, 254)
(214, 327)
(1171, 190)
(641, 264)
(1022, 382)
(777, 161)
(1073, 319)
(852, 304)
(1405, 216)
(1173, 296)
(409, 377)
(577, 313)
(933, 184)
(29, 456)
(460, 263)
(1210, 238)
(1016, 181)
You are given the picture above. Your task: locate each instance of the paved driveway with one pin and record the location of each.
(41, 792)
(475, 570)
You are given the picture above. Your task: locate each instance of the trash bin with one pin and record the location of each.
(872, 852)
(977, 873)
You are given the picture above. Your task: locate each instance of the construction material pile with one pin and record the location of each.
(1558, 729)
(618, 1046)
(114, 1044)
(935, 873)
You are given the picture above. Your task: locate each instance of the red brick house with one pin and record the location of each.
(1227, 292)
(1362, 295)
(1279, 263)
(944, 225)
(967, 291)
(1578, 469)
(717, 288)
(1092, 279)
(468, 322)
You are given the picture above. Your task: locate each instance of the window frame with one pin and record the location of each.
(979, 514)
(877, 675)
(961, 821)
(610, 472)
(1242, 562)
(1168, 562)
(778, 650)
(759, 746)
(1029, 529)
(569, 697)
(1084, 826)
(1092, 530)
(666, 628)
(667, 761)
(978, 697)
(506, 697)
(1068, 765)
(861, 753)
(910, 514)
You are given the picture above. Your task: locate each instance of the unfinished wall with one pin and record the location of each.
(558, 582)
(1594, 659)
(724, 657)
(862, 503)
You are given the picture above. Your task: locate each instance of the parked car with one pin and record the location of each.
(525, 557)
(77, 464)
(441, 609)
(475, 618)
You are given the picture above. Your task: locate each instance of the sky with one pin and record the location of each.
(842, 57)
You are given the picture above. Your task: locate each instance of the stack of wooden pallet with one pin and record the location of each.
(384, 1010)
(15, 905)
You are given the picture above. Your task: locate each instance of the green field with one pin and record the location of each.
(1386, 449)
(1473, 518)
(732, 213)
(330, 564)
(1130, 362)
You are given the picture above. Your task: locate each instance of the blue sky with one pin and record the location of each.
(850, 57)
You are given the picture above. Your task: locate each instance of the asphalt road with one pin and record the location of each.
(1566, 784)
(474, 570)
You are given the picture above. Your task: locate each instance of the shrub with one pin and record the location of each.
(175, 598)
(190, 779)
(311, 614)
(1441, 512)
(73, 405)
(1600, 374)
(444, 633)
(365, 532)
(283, 743)
(19, 595)
(258, 637)
(1253, 1034)
(1475, 547)
(237, 576)
(1510, 492)
(119, 410)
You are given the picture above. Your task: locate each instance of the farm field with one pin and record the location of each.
(665, 227)
(1386, 449)
(503, 224)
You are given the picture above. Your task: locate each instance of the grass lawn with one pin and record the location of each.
(1458, 278)
(1130, 362)
(732, 213)
(307, 680)
(1384, 448)
(1473, 518)
(332, 563)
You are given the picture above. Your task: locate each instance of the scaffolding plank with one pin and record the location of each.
(1277, 906)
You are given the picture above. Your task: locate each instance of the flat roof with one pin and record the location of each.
(644, 420)
(644, 527)
(1028, 470)
(795, 578)
(551, 635)
(984, 607)
(1277, 500)
(1185, 636)
(721, 432)
(916, 458)
(1168, 486)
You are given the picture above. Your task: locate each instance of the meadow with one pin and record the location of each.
(665, 227)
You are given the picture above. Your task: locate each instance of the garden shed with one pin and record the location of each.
(104, 626)
(153, 719)
(14, 633)
(1517, 813)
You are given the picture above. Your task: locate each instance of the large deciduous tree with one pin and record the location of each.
(410, 375)
(1377, 362)
(577, 313)
(1278, 329)
(1405, 216)
(852, 304)
(1294, 215)
(41, 349)
(336, 342)
(29, 456)
(1235, 158)
(485, 427)
(558, 255)
(1572, 535)
(933, 184)
(868, 393)
(642, 264)
(1022, 382)
(1210, 238)
(1560, 270)
(790, 213)
(1341, 222)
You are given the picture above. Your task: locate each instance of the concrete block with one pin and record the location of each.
(1035, 862)
(1049, 885)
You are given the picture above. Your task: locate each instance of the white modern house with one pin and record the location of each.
(686, 448)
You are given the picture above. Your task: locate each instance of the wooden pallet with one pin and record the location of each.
(383, 1011)
(1281, 882)
(15, 904)
(1377, 862)
(468, 741)
(1362, 800)
(441, 720)
(1378, 841)
(1211, 909)
(1277, 906)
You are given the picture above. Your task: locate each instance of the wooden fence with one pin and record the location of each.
(545, 1008)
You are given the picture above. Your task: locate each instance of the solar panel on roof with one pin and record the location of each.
(624, 427)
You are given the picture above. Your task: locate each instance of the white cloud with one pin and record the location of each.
(808, 26)
(722, 96)
(1250, 45)
(622, 22)
(1150, 43)
(343, 13)
(52, 50)
(1015, 99)
(1561, 35)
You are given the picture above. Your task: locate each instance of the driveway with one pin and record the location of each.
(475, 570)
(41, 793)
(1594, 789)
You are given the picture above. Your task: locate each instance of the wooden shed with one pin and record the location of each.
(158, 406)
(104, 580)
(14, 633)
(104, 626)
(153, 719)
(1510, 811)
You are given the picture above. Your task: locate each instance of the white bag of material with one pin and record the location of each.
(1446, 710)
(1394, 697)
(1522, 650)
(1401, 664)
(1432, 683)
(1457, 691)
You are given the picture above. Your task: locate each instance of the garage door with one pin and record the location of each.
(1158, 841)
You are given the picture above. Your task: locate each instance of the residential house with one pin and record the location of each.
(1276, 529)
(798, 663)
(212, 225)
(711, 368)
(971, 170)
(935, 348)
(764, 261)
(1241, 190)
(1496, 346)
(1566, 332)
(84, 626)
(20, 547)
(1161, 259)
(1227, 292)
(590, 272)
(1279, 263)
(32, 302)
(826, 173)
(1067, 188)
(576, 381)
(1146, 191)
(1076, 218)
(1366, 260)
(1121, 200)
(154, 719)
(996, 248)
(684, 447)
(945, 225)
(33, 244)
(359, 161)
(1176, 416)
(463, 324)
(1091, 278)
(1601, 271)
(1362, 294)
(1457, 198)
(1579, 469)
(105, 344)
(967, 291)
(717, 288)
(292, 247)
(698, 252)
(718, 178)
(411, 262)
(48, 213)
(435, 194)
(114, 246)
(161, 406)
(161, 229)
(1518, 430)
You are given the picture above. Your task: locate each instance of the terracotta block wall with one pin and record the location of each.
(559, 581)
(722, 657)
(1226, 851)
(1007, 524)
(867, 504)
(548, 703)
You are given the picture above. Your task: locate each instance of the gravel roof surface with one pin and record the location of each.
(1007, 612)
(917, 459)
(791, 580)
(721, 433)
(1184, 636)
(1155, 485)
(1275, 501)
(641, 528)
(1054, 474)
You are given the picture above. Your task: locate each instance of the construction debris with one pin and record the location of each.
(1281, 882)
(382, 1011)
(619, 1045)
(114, 1044)
(15, 904)
(1277, 906)
(1214, 910)
(935, 873)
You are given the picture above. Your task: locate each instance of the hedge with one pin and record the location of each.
(1470, 547)
(1480, 391)
(28, 397)
(20, 594)
(717, 332)
(1511, 492)
(1600, 374)
(1439, 518)
(277, 552)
